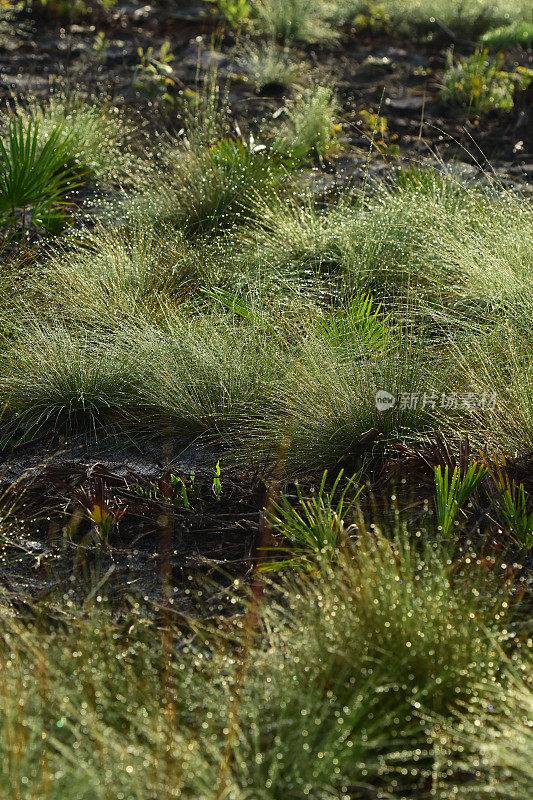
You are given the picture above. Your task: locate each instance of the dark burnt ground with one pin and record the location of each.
(376, 73)
(193, 549)
(161, 540)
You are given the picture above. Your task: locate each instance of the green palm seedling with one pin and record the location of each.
(36, 178)
(359, 321)
(452, 494)
(315, 535)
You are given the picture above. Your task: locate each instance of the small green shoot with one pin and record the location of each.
(513, 504)
(181, 491)
(182, 495)
(155, 73)
(217, 486)
(149, 493)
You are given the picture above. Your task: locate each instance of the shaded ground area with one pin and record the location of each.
(172, 521)
(178, 531)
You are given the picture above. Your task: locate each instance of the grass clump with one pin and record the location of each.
(379, 241)
(352, 681)
(295, 20)
(202, 371)
(465, 18)
(327, 400)
(269, 67)
(189, 374)
(373, 648)
(518, 34)
(495, 369)
(211, 188)
(311, 125)
(477, 82)
(213, 176)
(52, 377)
(500, 744)
(488, 253)
(107, 274)
(76, 736)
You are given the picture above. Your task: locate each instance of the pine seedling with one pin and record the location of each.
(451, 495)
(513, 504)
